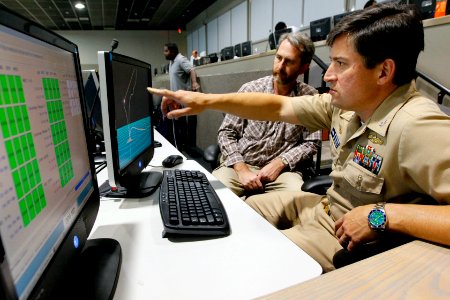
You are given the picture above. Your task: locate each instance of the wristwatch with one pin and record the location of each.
(377, 217)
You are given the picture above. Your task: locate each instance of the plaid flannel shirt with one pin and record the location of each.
(259, 142)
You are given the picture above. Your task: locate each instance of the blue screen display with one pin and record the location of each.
(133, 139)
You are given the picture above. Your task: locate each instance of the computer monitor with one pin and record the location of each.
(319, 29)
(238, 50)
(246, 48)
(213, 58)
(274, 37)
(48, 192)
(94, 112)
(227, 53)
(204, 60)
(426, 7)
(127, 112)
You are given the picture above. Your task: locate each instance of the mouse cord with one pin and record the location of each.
(174, 135)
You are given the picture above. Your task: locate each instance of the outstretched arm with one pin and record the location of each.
(257, 106)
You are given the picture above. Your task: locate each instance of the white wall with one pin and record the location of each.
(255, 19)
(144, 45)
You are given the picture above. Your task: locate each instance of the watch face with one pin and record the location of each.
(377, 218)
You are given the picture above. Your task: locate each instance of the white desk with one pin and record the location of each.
(254, 260)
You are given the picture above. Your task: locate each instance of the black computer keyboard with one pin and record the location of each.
(190, 206)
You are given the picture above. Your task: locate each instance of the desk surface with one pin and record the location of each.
(254, 260)
(417, 270)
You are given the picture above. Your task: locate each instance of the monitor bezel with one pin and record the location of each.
(120, 177)
(59, 267)
(246, 45)
(324, 23)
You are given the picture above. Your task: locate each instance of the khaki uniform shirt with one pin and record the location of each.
(401, 154)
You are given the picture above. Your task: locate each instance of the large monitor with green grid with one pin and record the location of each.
(48, 192)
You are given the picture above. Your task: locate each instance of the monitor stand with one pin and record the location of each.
(139, 186)
(96, 272)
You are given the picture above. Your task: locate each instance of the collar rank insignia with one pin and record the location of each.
(374, 139)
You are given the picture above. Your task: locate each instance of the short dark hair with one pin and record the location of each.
(302, 42)
(172, 47)
(280, 25)
(385, 31)
(369, 3)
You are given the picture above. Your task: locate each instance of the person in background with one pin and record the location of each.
(262, 156)
(194, 56)
(182, 75)
(280, 25)
(391, 175)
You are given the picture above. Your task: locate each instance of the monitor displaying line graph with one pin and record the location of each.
(133, 124)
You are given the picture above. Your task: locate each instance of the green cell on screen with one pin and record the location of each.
(25, 181)
(30, 207)
(36, 171)
(26, 119)
(57, 90)
(19, 118)
(24, 212)
(36, 201)
(64, 130)
(31, 144)
(25, 148)
(50, 89)
(20, 91)
(31, 177)
(20, 121)
(40, 190)
(11, 155)
(5, 89)
(18, 184)
(2, 100)
(54, 89)
(4, 123)
(16, 146)
(13, 89)
(11, 120)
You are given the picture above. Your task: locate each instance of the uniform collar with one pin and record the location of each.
(385, 113)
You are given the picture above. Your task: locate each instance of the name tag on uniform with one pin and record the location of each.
(335, 138)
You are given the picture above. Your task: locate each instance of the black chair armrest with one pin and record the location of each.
(211, 155)
(387, 241)
(318, 184)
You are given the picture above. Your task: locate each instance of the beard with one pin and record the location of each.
(283, 78)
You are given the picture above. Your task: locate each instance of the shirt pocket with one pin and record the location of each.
(363, 187)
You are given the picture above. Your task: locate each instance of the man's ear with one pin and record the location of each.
(387, 71)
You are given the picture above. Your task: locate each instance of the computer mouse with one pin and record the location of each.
(172, 160)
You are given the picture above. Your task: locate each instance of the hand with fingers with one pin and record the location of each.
(353, 228)
(180, 103)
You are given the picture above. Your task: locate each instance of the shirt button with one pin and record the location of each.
(358, 183)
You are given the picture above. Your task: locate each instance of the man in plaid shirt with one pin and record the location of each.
(263, 156)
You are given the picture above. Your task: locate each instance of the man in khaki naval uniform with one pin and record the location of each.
(390, 145)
